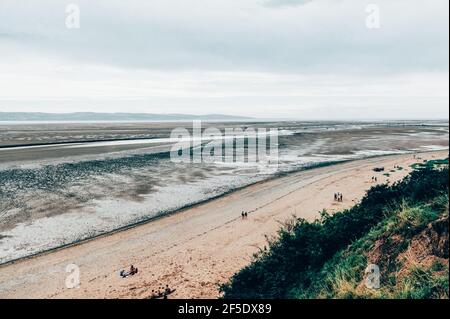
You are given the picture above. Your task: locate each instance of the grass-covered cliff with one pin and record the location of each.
(403, 229)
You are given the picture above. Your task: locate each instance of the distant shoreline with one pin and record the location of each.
(67, 118)
(120, 117)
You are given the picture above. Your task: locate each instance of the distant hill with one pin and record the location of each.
(92, 116)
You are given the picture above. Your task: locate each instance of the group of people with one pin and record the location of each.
(244, 215)
(374, 179)
(161, 293)
(133, 271)
(338, 197)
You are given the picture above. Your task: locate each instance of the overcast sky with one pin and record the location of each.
(303, 59)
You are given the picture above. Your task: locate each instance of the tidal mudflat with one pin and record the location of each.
(64, 182)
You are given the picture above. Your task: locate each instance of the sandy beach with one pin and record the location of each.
(195, 250)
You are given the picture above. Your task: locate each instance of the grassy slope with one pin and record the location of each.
(327, 258)
(405, 272)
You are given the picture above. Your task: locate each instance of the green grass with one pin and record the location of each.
(341, 276)
(431, 164)
(423, 284)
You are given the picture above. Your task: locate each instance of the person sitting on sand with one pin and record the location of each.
(133, 270)
(245, 214)
(242, 215)
(156, 294)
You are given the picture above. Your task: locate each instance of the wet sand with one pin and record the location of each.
(195, 250)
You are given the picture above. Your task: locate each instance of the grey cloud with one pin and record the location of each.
(329, 39)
